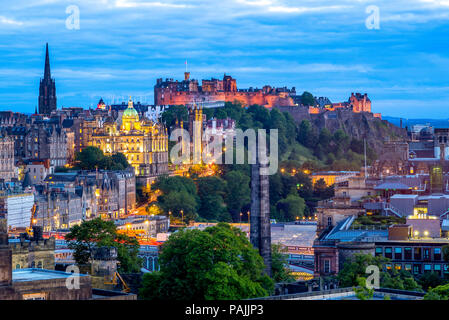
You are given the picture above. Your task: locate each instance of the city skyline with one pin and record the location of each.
(122, 47)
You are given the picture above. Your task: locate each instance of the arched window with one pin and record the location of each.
(39, 264)
(17, 266)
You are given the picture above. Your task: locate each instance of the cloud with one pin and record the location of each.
(10, 21)
(141, 4)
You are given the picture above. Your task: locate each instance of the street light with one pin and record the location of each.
(182, 216)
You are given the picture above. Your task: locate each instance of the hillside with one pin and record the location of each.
(356, 125)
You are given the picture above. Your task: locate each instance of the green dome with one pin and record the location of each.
(130, 113)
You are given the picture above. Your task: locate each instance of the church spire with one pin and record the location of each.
(47, 73)
(47, 89)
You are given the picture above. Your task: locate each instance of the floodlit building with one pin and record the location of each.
(143, 142)
(16, 208)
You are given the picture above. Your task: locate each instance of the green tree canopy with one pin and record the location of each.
(355, 269)
(181, 204)
(174, 113)
(217, 263)
(307, 99)
(279, 265)
(237, 192)
(291, 207)
(438, 293)
(96, 233)
(211, 191)
(91, 158)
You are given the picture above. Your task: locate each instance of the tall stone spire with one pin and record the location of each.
(47, 89)
(47, 73)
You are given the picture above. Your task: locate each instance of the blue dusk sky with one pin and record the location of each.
(321, 46)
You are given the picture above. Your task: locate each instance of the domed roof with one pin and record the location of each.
(130, 113)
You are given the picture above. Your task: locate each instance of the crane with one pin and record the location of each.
(116, 275)
(33, 220)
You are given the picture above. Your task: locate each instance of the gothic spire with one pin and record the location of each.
(47, 73)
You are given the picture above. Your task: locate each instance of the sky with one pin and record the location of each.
(329, 48)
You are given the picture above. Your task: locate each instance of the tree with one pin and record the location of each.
(217, 263)
(237, 192)
(438, 293)
(279, 265)
(96, 233)
(89, 158)
(355, 269)
(430, 280)
(307, 99)
(168, 184)
(322, 191)
(92, 158)
(291, 207)
(307, 135)
(174, 113)
(182, 204)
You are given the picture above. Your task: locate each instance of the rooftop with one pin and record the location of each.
(33, 274)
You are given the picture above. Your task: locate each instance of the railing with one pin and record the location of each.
(387, 206)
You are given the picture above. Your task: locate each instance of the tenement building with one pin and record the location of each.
(7, 168)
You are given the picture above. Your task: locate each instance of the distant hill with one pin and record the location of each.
(436, 123)
(357, 125)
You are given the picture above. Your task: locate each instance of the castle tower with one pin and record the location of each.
(260, 228)
(47, 89)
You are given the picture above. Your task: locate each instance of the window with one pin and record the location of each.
(388, 253)
(426, 254)
(446, 268)
(329, 221)
(427, 267)
(388, 266)
(437, 268)
(17, 266)
(378, 252)
(437, 254)
(408, 253)
(417, 253)
(327, 266)
(408, 267)
(398, 253)
(416, 268)
(398, 266)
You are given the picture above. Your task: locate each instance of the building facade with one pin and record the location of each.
(7, 160)
(144, 143)
(188, 91)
